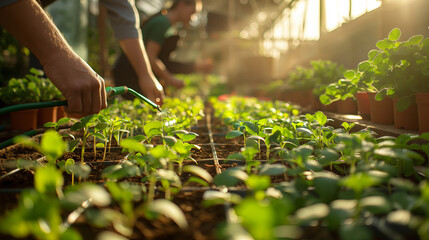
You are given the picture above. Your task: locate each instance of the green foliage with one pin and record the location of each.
(317, 77)
(32, 88)
(396, 68)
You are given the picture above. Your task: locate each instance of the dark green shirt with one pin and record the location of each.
(156, 29)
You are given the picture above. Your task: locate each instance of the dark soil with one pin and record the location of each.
(203, 220)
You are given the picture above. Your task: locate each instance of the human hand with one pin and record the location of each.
(152, 89)
(82, 87)
(173, 81)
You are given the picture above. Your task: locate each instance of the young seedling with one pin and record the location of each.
(85, 124)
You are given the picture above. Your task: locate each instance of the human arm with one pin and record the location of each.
(134, 50)
(158, 67)
(79, 84)
(125, 23)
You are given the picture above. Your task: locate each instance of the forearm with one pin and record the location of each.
(159, 68)
(134, 50)
(25, 18)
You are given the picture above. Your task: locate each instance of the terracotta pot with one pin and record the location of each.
(347, 106)
(332, 107)
(24, 120)
(381, 111)
(407, 119)
(363, 105)
(47, 115)
(422, 100)
(315, 103)
(306, 97)
(61, 113)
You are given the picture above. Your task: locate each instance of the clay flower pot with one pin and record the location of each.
(332, 107)
(315, 103)
(422, 100)
(363, 105)
(24, 120)
(47, 115)
(381, 111)
(304, 97)
(61, 113)
(347, 106)
(407, 119)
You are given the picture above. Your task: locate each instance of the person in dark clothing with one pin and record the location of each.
(160, 39)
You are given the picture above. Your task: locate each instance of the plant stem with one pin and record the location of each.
(151, 192)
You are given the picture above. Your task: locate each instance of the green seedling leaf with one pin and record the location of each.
(258, 183)
(395, 34)
(212, 197)
(185, 135)
(376, 205)
(350, 74)
(169, 140)
(321, 118)
(272, 169)
(414, 40)
(403, 103)
(236, 156)
(327, 186)
(26, 141)
(196, 180)
(170, 176)
(50, 124)
(354, 232)
(233, 134)
(304, 151)
(251, 128)
(325, 99)
(48, 180)
(97, 194)
(358, 182)
(372, 54)
(399, 217)
(70, 234)
(99, 136)
(72, 144)
(304, 130)
(63, 121)
(364, 66)
(52, 145)
(26, 164)
(80, 170)
(161, 151)
(198, 171)
(230, 177)
(384, 44)
(312, 212)
(69, 162)
(152, 128)
(126, 169)
(313, 165)
(169, 210)
(381, 94)
(347, 126)
(133, 145)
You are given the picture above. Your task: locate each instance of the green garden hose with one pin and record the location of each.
(111, 92)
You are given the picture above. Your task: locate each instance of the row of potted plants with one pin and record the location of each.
(304, 85)
(34, 87)
(395, 77)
